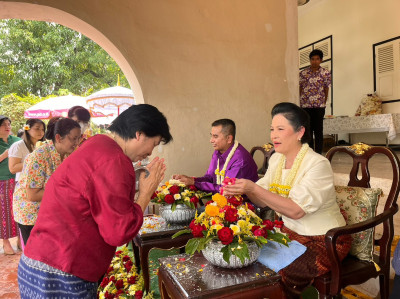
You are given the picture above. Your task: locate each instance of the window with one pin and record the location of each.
(386, 57)
(325, 45)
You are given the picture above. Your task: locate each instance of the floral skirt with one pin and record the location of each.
(313, 263)
(8, 227)
(37, 280)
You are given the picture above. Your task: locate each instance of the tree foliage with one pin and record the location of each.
(14, 107)
(41, 58)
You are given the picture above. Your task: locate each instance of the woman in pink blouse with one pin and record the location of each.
(89, 207)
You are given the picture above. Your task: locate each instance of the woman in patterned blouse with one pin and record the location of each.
(63, 136)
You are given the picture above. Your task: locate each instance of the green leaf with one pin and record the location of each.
(242, 253)
(226, 253)
(280, 238)
(192, 245)
(181, 232)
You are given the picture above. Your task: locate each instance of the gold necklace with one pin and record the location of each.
(276, 186)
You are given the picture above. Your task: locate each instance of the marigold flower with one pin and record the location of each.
(212, 210)
(220, 200)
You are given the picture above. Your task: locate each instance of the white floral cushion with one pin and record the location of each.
(358, 204)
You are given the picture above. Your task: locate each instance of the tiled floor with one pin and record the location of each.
(8, 272)
(8, 263)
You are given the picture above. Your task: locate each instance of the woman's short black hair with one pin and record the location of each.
(142, 118)
(61, 126)
(80, 112)
(296, 116)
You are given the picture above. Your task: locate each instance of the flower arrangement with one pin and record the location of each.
(122, 279)
(173, 192)
(233, 222)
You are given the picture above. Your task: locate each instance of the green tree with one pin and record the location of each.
(41, 58)
(14, 107)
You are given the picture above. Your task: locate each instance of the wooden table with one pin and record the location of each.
(185, 276)
(155, 237)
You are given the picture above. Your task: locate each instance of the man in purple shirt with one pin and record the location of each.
(230, 159)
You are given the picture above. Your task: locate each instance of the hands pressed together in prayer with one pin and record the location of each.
(147, 185)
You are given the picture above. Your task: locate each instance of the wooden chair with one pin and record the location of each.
(352, 271)
(267, 150)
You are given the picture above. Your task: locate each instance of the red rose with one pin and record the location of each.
(268, 224)
(118, 252)
(254, 228)
(192, 188)
(138, 294)
(260, 232)
(154, 195)
(192, 224)
(250, 207)
(112, 278)
(169, 199)
(194, 200)
(225, 234)
(128, 265)
(132, 279)
(208, 202)
(197, 230)
(234, 201)
(110, 269)
(174, 189)
(108, 295)
(278, 223)
(104, 282)
(231, 215)
(119, 292)
(126, 258)
(119, 284)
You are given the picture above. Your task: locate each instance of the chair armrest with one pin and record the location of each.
(332, 235)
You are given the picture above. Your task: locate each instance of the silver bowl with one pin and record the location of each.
(213, 254)
(182, 213)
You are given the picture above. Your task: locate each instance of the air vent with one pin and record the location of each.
(304, 57)
(385, 59)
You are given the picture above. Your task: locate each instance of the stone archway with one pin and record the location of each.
(27, 11)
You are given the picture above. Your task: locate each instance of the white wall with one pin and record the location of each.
(355, 25)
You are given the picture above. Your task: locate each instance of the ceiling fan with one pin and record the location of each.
(302, 2)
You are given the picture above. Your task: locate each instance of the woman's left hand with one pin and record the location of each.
(241, 186)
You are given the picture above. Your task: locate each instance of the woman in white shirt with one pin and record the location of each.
(298, 185)
(34, 130)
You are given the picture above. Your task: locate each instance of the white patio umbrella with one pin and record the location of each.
(57, 106)
(108, 103)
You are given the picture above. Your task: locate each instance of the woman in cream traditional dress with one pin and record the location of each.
(299, 186)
